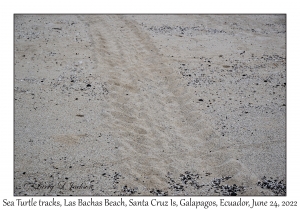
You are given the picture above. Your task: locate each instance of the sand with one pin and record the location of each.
(149, 104)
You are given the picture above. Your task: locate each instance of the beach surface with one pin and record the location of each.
(149, 105)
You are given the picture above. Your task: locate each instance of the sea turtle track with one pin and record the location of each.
(154, 119)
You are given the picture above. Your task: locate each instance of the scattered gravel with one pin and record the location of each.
(158, 192)
(129, 191)
(226, 190)
(189, 179)
(277, 187)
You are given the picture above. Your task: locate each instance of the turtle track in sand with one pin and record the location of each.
(151, 113)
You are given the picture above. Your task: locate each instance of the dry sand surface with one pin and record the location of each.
(150, 105)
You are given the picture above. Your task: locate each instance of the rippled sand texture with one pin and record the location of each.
(126, 101)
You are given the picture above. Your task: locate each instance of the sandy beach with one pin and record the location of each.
(149, 105)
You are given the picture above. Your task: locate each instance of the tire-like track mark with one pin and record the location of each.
(151, 114)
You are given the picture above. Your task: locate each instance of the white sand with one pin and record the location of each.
(113, 100)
